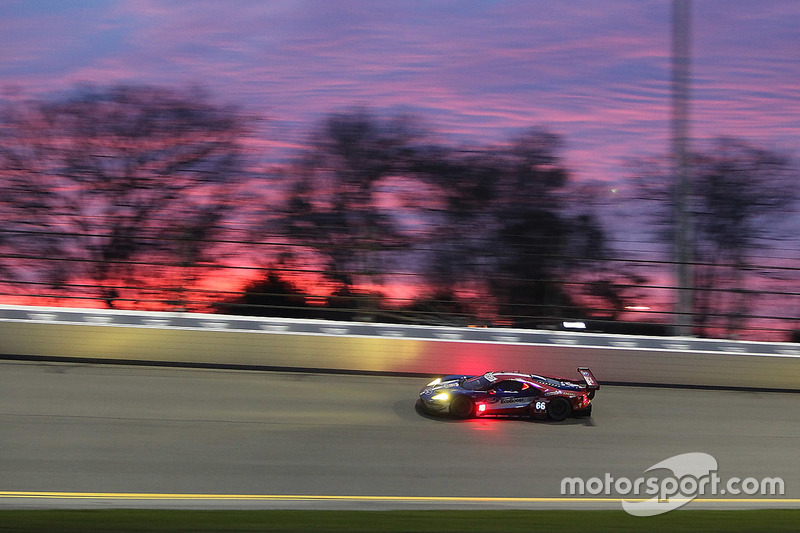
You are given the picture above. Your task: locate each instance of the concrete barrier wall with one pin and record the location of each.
(272, 342)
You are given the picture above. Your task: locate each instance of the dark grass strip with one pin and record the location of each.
(113, 521)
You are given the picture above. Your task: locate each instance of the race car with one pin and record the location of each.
(510, 394)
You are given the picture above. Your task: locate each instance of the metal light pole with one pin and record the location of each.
(684, 241)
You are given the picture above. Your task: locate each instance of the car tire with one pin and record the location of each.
(461, 407)
(558, 409)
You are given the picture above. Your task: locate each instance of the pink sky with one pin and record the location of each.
(476, 71)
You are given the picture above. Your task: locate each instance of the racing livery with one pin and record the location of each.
(510, 394)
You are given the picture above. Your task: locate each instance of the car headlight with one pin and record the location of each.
(441, 397)
(434, 382)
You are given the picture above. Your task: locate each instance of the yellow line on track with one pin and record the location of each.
(325, 497)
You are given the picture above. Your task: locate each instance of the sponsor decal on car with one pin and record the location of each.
(514, 400)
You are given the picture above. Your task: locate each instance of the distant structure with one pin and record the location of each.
(684, 239)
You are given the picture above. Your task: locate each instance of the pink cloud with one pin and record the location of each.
(476, 71)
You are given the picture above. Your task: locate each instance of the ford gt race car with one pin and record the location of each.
(510, 394)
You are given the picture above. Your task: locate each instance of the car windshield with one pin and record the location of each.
(478, 382)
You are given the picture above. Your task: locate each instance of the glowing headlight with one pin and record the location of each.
(440, 397)
(434, 382)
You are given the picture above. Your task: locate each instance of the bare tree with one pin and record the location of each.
(743, 192)
(333, 213)
(741, 195)
(114, 193)
(512, 230)
(492, 227)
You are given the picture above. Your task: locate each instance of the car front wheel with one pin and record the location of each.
(461, 407)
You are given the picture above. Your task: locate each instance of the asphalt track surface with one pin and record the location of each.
(117, 436)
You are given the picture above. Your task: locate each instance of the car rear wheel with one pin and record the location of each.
(558, 409)
(461, 407)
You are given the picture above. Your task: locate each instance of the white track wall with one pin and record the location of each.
(316, 344)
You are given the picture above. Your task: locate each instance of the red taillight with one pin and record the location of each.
(481, 408)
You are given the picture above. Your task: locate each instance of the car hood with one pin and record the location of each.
(448, 383)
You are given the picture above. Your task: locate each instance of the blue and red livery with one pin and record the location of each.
(510, 394)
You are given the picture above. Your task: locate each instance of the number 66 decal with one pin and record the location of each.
(539, 406)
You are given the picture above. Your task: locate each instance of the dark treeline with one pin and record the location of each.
(153, 198)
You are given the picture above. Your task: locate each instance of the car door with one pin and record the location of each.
(511, 395)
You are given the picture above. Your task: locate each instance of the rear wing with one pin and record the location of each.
(591, 382)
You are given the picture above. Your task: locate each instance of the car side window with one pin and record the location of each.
(530, 390)
(509, 386)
